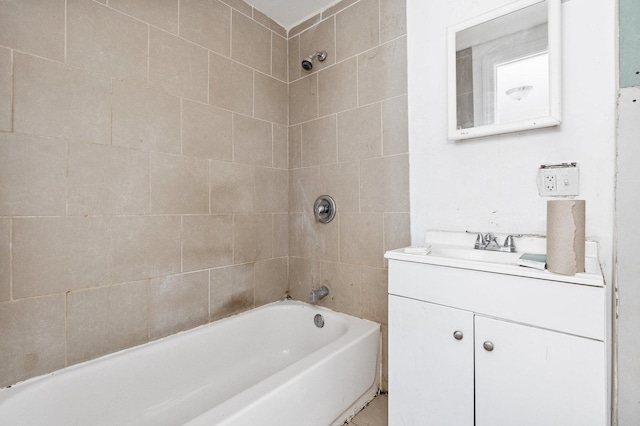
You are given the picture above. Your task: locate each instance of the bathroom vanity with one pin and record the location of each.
(475, 339)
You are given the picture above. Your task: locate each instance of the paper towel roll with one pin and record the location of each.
(565, 236)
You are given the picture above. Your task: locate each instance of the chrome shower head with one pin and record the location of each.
(307, 63)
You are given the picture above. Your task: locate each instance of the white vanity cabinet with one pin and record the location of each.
(471, 347)
(430, 370)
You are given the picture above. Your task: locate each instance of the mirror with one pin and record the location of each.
(504, 70)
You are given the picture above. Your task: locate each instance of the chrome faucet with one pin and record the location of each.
(318, 294)
(489, 242)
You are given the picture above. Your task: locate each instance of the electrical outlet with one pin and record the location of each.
(550, 183)
(558, 180)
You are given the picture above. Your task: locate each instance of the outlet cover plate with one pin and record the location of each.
(559, 180)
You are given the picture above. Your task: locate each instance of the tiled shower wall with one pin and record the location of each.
(348, 138)
(143, 173)
(145, 170)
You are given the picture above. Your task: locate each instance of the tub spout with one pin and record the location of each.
(318, 294)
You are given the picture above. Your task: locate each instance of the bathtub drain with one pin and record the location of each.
(318, 321)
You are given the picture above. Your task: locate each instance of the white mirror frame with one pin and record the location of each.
(554, 48)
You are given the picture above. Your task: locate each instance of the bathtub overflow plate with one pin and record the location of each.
(318, 321)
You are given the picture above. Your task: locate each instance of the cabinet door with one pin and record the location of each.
(430, 370)
(537, 377)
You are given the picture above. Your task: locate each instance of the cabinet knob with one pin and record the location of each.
(488, 346)
(458, 335)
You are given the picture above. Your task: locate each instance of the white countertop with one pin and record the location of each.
(440, 241)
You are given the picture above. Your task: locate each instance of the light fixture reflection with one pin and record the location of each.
(519, 93)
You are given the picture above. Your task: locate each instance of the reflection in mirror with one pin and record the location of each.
(504, 78)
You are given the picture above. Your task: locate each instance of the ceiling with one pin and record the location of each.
(289, 13)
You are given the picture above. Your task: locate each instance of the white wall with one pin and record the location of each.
(489, 184)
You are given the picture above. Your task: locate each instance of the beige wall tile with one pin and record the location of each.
(320, 37)
(107, 180)
(179, 184)
(105, 41)
(271, 280)
(207, 23)
(252, 237)
(304, 275)
(382, 72)
(159, 13)
(359, 133)
(145, 119)
(6, 89)
(177, 66)
(271, 190)
(385, 184)
(281, 235)
(144, 247)
(230, 85)
(357, 29)
(232, 290)
(294, 58)
(338, 87)
(303, 189)
(279, 57)
(374, 294)
(53, 100)
(32, 338)
(177, 303)
(320, 240)
(57, 254)
(271, 99)
(295, 146)
(239, 5)
(397, 230)
(342, 182)
(250, 43)
(393, 19)
(361, 239)
(269, 23)
(207, 132)
(343, 282)
(280, 147)
(32, 175)
(303, 99)
(296, 234)
(395, 127)
(252, 141)
(34, 26)
(5, 255)
(106, 319)
(207, 241)
(319, 142)
(232, 187)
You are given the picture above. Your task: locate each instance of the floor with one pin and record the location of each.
(374, 414)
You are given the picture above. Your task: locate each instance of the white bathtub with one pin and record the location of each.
(268, 366)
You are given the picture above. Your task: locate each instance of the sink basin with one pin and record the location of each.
(475, 255)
